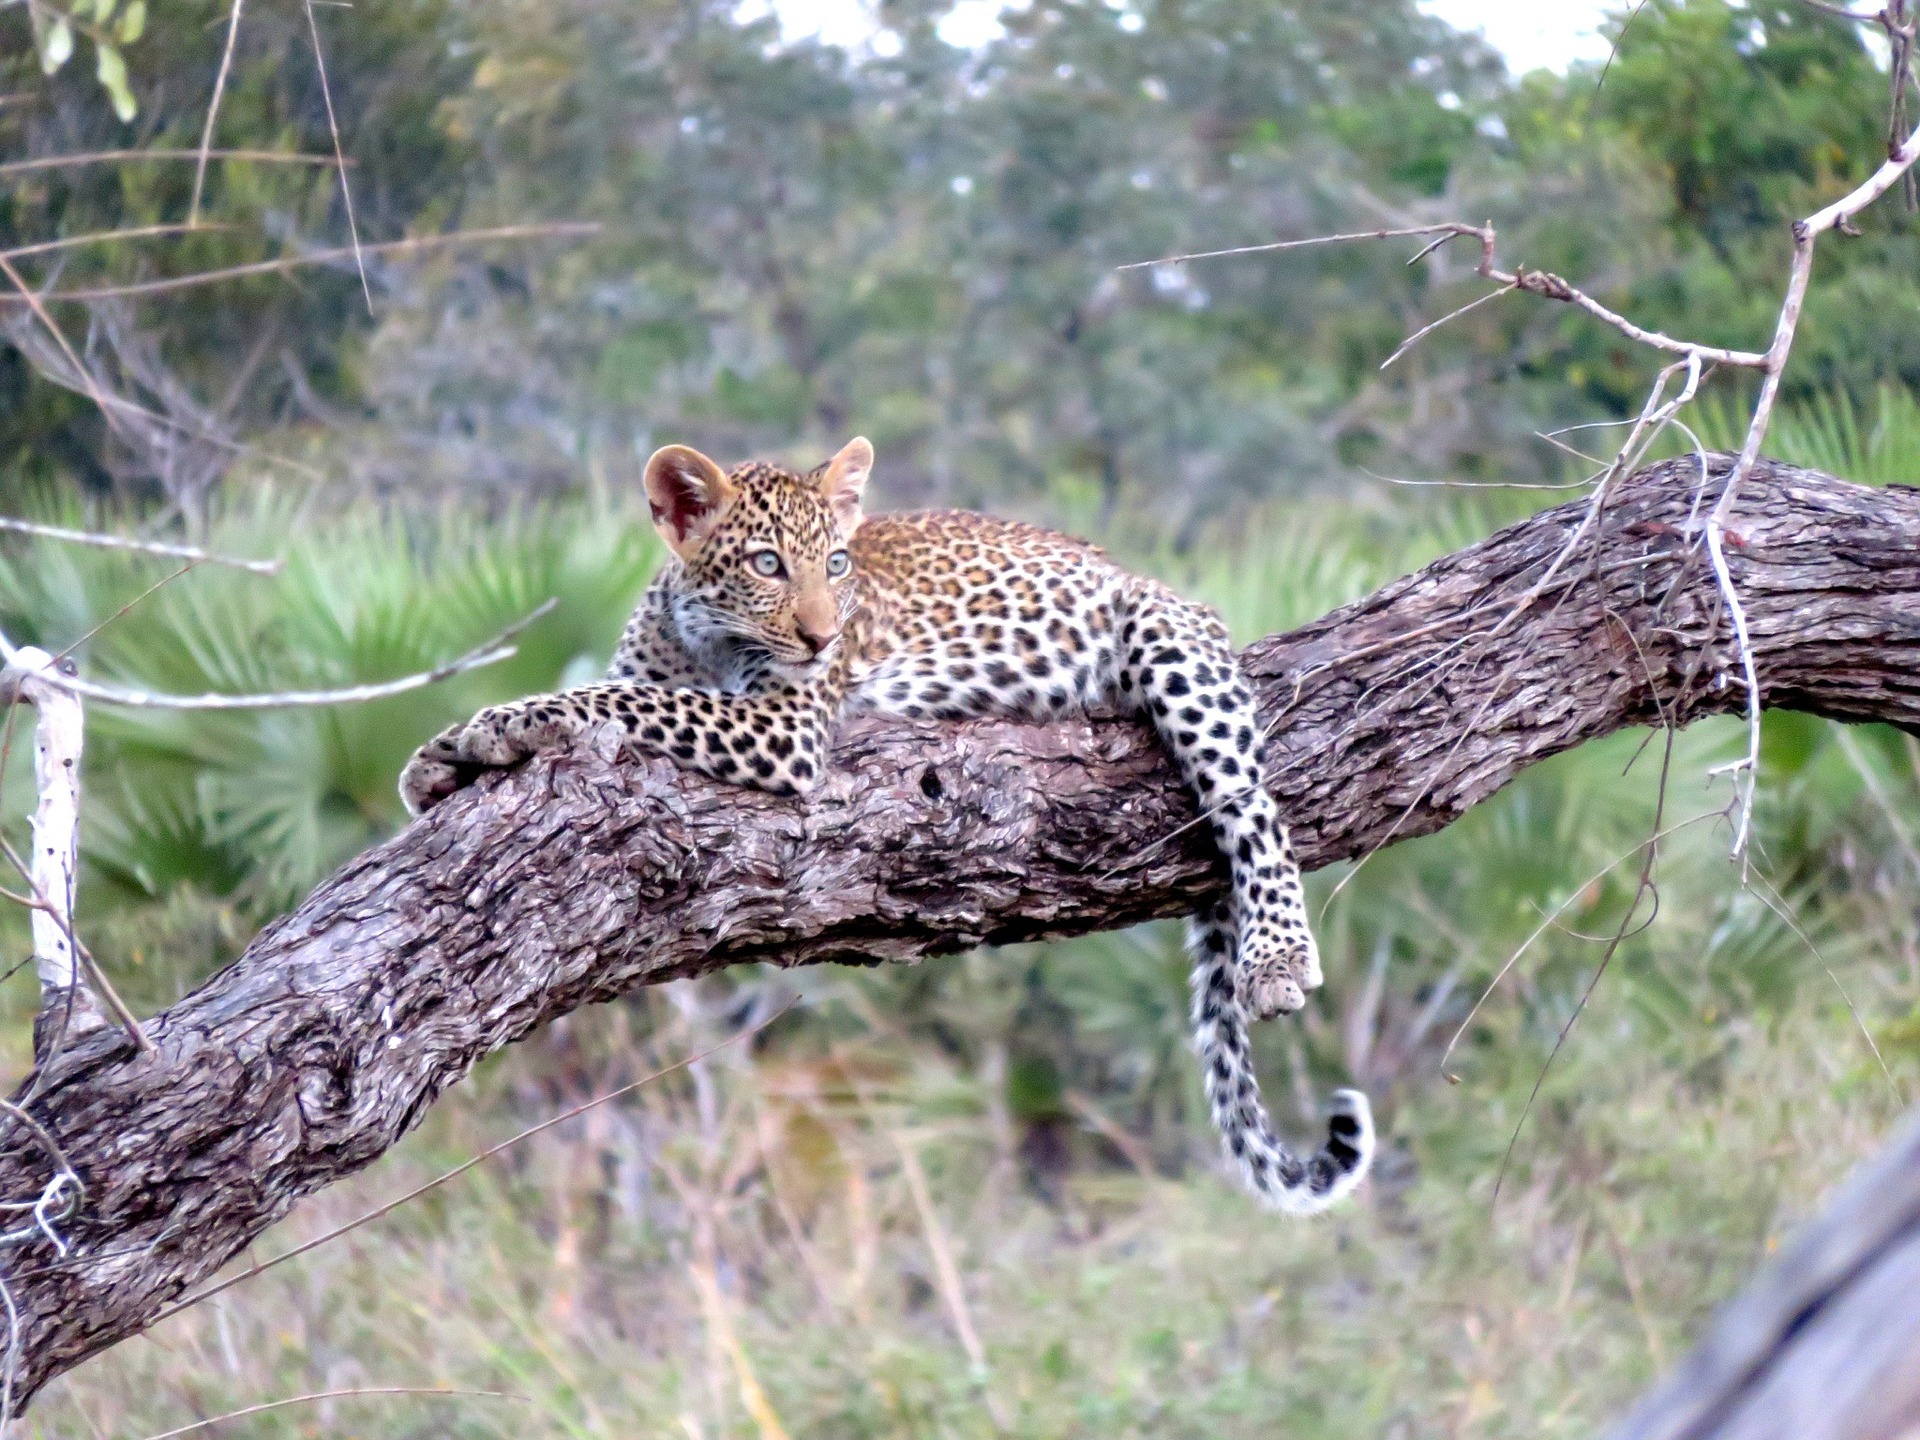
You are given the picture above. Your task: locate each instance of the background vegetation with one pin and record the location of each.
(977, 1196)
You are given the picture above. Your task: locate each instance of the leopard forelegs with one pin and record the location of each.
(772, 740)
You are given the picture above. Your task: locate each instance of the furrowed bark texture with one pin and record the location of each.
(575, 880)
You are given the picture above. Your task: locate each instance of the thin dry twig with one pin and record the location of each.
(121, 157)
(1547, 923)
(144, 547)
(562, 229)
(1543, 283)
(213, 111)
(350, 1394)
(1450, 228)
(491, 652)
(487, 1154)
(947, 1272)
(127, 608)
(1771, 897)
(101, 237)
(33, 302)
(333, 128)
(1425, 330)
(43, 903)
(1626, 929)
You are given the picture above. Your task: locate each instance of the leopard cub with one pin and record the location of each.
(784, 607)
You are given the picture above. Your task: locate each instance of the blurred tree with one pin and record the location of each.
(247, 353)
(922, 244)
(1747, 116)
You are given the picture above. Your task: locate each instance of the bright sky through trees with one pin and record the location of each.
(1529, 33)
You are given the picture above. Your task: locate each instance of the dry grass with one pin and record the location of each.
(738, 1253)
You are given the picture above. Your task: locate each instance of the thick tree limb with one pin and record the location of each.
(575, 880)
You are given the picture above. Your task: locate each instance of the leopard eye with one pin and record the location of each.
(838, 564)
(766, 563)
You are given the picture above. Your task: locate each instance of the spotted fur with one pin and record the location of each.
(784, 608)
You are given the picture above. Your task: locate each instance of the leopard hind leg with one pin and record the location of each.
(1282, 1179)
(1176, 663)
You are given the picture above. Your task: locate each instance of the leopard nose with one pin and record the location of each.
(817, 640)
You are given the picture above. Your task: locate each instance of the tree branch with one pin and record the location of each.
(1822, 1344)
(575, 880)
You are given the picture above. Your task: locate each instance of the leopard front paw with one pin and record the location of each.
(455, 758)
(426, 782)
(499, 736)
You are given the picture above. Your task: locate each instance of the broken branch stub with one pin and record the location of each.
(68, 1008)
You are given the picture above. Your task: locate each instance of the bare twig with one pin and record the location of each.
(144, 547)
(1770, 896)
(122, 157)
(1446, 230)
(1613, 52)
(1543, 283)
(565, 229)
(947, 1273)
(33, 303)
(333, 128)
(1426, 330)
(354, 1393)
(1551, 917)
(491, 652)
(1643, 887)
(485, 1155)
(213, 113)
(101, 237)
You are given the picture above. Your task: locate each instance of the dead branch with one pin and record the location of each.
(488, 652)
(574, 880)
(563, 229)
(122, 157)
(141, 547)
(213, 114)
(339, 155)
(103, 237)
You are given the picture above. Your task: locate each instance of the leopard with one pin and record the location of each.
(781, 607)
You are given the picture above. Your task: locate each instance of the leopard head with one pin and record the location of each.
(762, 550)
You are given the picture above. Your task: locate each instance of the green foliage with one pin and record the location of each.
(53, 31)
(255, 351)
(257, 806)
(1750, 110)
(1829, 432)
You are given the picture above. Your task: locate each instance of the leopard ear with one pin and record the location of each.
(688, 492)
(843, 480)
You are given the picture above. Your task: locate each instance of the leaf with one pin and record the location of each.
(57, 48)
(111, 71)
(133, 24)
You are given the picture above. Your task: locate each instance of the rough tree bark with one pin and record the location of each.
(575, 880)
